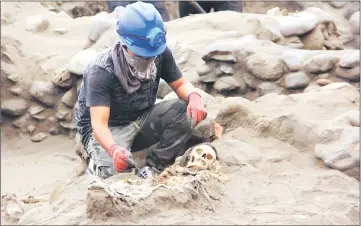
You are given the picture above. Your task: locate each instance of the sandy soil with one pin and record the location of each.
(38, 167)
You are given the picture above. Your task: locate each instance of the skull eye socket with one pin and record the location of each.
(209, 156)
(199, 151)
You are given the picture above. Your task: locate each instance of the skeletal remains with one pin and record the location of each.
(199, 157)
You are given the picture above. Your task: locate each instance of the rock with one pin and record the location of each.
(36, 110)
(16, 91)
(324, 75)
(203, 69)
(320, 63)
(37, 23)
(297, 24)
(352, 74)
(274, 12)
(14, 107)
(293, 42)
(220, 51)
(80, 60)
(61, 31)
(266, 66)
(55, 130)
(323, 82)
(226, 69)
(62, 78)
(355, 22)
(252, 81)
(163, 89)
(293, 59)
(70, 97)
(22, 122)
(296, 80)
(44, 92)
(349, 118)
(14, 77)
(39, 137)
(227, 83)
(30, 129)
(350, 60)
(314, 40)
(68, 125)
(13, 209)
(64, 113)
(209, 78)
(342, 154)
(269, 87)
(100, 23)
(337, 4)
(234, 152)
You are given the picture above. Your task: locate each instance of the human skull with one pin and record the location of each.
(201, 157)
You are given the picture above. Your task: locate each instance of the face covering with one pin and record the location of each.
(141, 68)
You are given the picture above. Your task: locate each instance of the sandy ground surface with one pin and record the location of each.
(29, 168)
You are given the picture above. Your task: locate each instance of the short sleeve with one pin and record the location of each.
(98, 87)
(170, 70)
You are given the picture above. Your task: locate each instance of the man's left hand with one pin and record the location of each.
(196, 109)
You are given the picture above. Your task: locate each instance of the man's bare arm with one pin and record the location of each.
(99, 121)
(182, 88)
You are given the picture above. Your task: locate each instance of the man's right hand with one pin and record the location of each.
(122, 158)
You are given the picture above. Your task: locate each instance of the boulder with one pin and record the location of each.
(320, 63)
(269, 87)
(351, 74)
(237, 153)
(62, 78)
(296, 80)
(323, 75)
(266, 66)
(227, 83)
(355, 23)
(44, 92)
(12, 208)
(22, 122)
(252, 81)
(16, 91)
(293, 59)
(163, 89)
(70, 97)
(203, 69)
(37, 23)
(14, 107)
(14, 77)
(220, 51)
(39, 137)
(34, 110)
(100, 23)
(226, 69)
(297, 24)
(350, 60)
(342, 154)
(315, 39)
(293, 42)
(64, 113)
(323, 82)
(79, 61)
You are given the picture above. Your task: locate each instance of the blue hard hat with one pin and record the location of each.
(142, 30)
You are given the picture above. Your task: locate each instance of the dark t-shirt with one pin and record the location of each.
(101, 87)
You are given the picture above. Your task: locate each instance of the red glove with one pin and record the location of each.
(122, 158)
(195, 108)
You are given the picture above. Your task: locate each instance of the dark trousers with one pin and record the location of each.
(159, 5)
(185, 8)
(165, 127)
